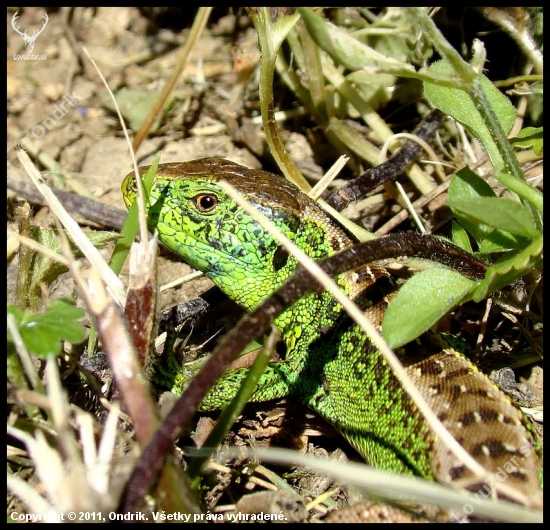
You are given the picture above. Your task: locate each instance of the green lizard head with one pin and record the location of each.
(202, 225)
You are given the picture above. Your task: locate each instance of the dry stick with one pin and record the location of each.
(403, 214)
(89, 209)
(389, 170)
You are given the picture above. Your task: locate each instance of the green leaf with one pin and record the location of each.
(458, 104)
(500, 241)
(421, 302)
(135, 106)
(504, 214)
(467, 184)
(43, 333)
(43, 268)
(509, 268)
(460, 237)
(522, 189)
(529, 137)
(131, 225)
(16, 312)
(345, 49)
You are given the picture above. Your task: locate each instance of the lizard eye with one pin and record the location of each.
(206, 202)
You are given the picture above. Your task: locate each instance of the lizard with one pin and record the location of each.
(330, 365)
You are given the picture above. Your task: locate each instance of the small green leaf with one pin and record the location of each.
(460, 237)
(44, 269)
(529, 137)
(61, 317)
(421, 302)
(271, 31)
(135, 106)
(458, 104)
(131, 225)
(500, 241)
(509, 268)
(522, 189)
(467, 184)
(42, 333)
(504, 214)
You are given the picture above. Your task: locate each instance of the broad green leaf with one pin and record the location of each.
(504, 214)
(529, 137)
(421, 302)
(43, 333)
(458, 104)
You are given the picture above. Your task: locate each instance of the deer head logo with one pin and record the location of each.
(29, 40)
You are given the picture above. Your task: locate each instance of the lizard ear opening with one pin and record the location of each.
(280, 257)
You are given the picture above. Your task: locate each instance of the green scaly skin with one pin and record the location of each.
(330, 366)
